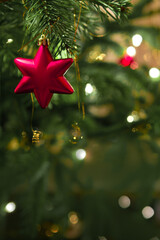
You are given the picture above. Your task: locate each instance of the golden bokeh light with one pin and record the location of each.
(73, 217)
(54, 228)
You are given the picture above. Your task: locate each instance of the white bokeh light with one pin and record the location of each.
(102, 238)
(147, 212)
(80, 154)
(131, 51)
(10, 207)
(10, 40)
(137, 40)
(154, 73)
(124, 201)
(88, 89)
(130, 119)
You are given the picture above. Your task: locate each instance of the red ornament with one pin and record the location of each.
(126, 60)
(43, 75)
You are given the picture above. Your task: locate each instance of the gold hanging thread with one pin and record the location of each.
(76, 27)
(32, 99)
(80, 105)
(28, 42)
(36, 133)
(97, 35)
(78, 77)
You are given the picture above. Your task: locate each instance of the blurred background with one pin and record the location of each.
(91, 170)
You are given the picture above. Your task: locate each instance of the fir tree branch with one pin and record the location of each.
(58, 19)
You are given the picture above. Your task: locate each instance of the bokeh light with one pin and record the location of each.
(10, 207)
(10, 40)
(73, 217)
(130, 119)
(102, 238)
(54, 228)
(48, 233)
(154, 238)
(131, 51)
(80, 154)
(137, 40)
(124, 201)
(147, 212)
(154, 73)
(88, 89)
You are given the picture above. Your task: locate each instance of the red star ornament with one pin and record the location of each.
(43, 75)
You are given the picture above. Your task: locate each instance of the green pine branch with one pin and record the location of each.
(64, 21)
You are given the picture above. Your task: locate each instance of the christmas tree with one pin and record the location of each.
(87, 166)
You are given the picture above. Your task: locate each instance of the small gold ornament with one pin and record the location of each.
(36, 136)
(76, 133)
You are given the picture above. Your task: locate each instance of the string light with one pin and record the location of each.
(102, 238)
(80, 154)
(154, 238)
(124, 201)
(147, 212)
(10, 207)
(10, 40)
(154, 73)
(131, 51)
(54, 228)
(134, 65)
(101, 57)
(134, 117)
(48, 233)
(137, 40)
(88, 89)
(130, 119)
(13, 145)
(73, 217)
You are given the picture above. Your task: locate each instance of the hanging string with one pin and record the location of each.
(83, 110)
(97, 35)
(78, 77)
(36, 133)
(76, 27)
(28, 42)
(32, 99)
(80, 104)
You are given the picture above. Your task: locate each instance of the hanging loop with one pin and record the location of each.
(43, 40)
